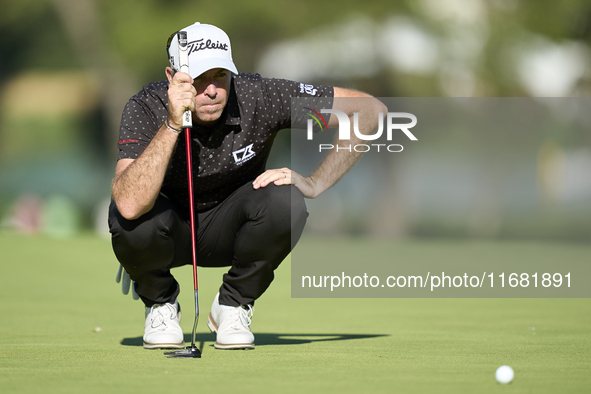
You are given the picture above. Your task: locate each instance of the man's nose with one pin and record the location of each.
(210, 88)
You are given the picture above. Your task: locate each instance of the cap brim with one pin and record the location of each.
(199, 67)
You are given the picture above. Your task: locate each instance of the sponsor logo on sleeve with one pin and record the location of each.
(129, 141)
(309, 89)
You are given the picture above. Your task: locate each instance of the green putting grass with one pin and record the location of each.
(56, 292)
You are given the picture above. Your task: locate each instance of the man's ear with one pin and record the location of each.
(169, 73)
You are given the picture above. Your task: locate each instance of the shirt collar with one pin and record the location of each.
(232, 111)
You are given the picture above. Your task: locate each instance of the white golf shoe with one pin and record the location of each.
(162, 329)
(232, 325)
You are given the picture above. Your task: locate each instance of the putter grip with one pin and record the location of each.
(184, 67)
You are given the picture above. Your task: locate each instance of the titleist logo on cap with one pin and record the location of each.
(199, 45)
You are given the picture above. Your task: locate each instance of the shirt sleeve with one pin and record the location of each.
(291, 101)
(136, 130)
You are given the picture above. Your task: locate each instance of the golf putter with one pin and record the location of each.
(191, 351)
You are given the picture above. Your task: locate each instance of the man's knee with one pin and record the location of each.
(283, 204)
(139, 233)
(147, 239)
(285, 209)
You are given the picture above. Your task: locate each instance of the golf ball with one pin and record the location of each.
(504, 374)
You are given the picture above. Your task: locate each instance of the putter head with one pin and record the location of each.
(190, 352)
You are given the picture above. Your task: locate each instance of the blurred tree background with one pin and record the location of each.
(69, 66)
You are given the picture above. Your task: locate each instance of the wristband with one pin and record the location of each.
(172, 128)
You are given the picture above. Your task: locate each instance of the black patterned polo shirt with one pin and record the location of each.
(229, 154)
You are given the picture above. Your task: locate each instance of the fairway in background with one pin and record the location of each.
(57, 292)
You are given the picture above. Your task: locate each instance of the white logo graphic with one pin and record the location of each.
(308, 89)
(244, 154)
(345, 131)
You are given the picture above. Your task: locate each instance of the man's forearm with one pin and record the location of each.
(136, 187)
(334, 166)
(343, 157)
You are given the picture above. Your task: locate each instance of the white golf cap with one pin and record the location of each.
(208, 46)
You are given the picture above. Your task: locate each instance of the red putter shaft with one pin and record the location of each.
(191, 202)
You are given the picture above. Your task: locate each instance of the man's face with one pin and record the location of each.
(212, 87)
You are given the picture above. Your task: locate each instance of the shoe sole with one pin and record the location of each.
(214, 329)
(164, 345)
(234, 346)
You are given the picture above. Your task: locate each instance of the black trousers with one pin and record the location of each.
(252, 231)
